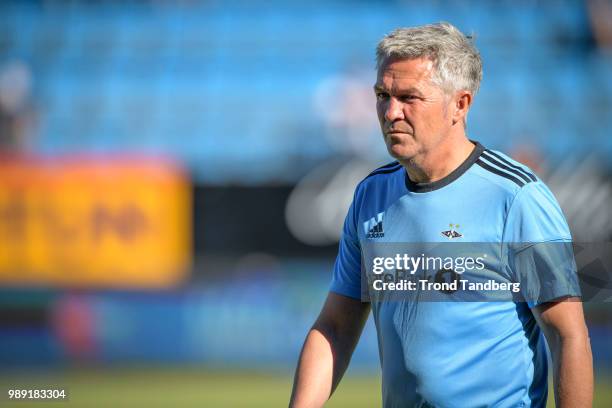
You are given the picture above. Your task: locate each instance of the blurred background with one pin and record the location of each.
(174, 177)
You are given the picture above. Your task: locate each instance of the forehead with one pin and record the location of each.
(405, 72)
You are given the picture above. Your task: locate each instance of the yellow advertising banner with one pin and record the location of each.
(94, 222)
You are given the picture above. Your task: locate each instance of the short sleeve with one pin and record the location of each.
(346, 278)
(538, 248)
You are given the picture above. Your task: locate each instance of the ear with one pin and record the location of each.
(461, 106)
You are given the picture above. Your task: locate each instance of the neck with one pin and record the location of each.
(438, 162)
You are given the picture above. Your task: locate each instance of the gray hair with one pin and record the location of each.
(456, 60)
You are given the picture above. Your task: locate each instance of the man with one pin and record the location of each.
(447, 354)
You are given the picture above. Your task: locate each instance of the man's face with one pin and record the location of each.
(413, 112)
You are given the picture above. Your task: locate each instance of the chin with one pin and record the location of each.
(401, 152)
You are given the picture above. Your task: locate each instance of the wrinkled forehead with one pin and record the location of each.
(405, 70)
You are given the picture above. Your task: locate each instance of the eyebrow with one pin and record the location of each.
(410, 90)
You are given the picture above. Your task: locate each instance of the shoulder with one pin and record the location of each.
(379, 187)
(504, 172)
(380, 174)
(530, 206)
(386, 169)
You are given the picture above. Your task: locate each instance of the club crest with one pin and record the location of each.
(452, 233)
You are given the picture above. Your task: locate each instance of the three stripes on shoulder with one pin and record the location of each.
(488, 160)
(496, 164)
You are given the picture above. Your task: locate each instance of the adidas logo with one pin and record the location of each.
(373, 228)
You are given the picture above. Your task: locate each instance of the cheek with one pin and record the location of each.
(380, 108)
(434, 117)
(380, 112)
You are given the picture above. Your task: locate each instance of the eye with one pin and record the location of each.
(381, 95)
(409, 97)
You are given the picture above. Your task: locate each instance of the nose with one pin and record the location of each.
(394, 110)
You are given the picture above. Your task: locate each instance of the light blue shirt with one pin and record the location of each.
(458, 354)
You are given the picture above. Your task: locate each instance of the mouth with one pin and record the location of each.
(396, 134)
(396, 131)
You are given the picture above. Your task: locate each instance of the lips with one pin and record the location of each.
(396, 132)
